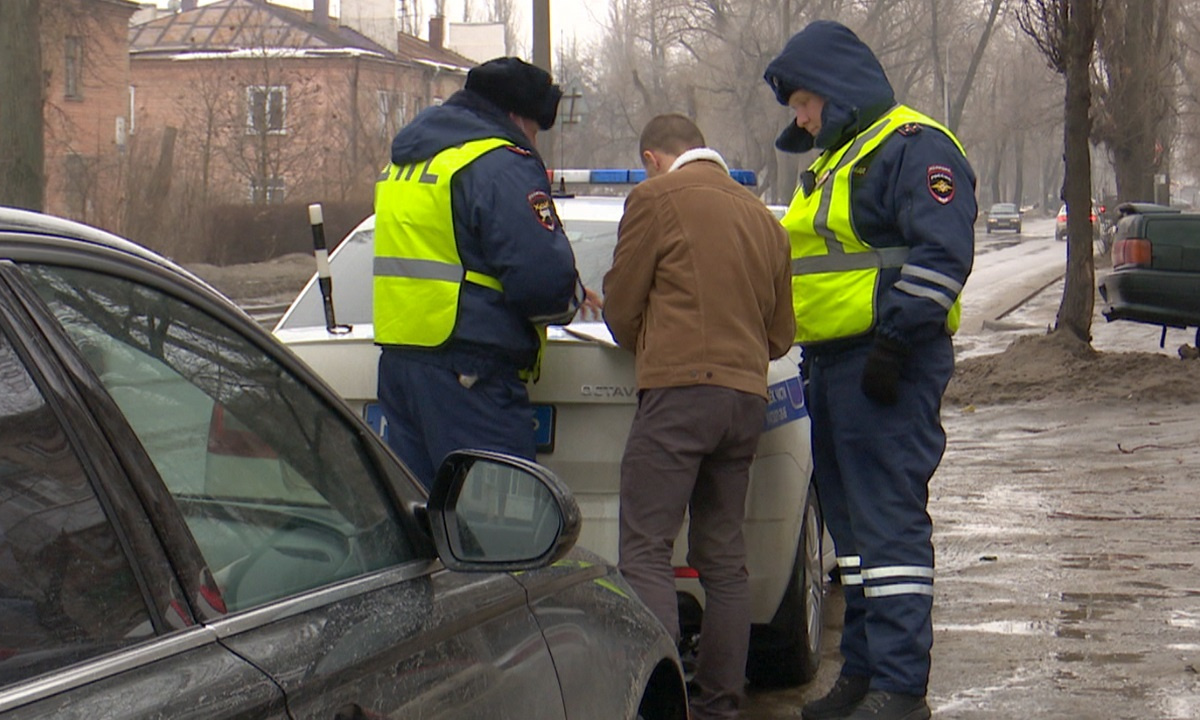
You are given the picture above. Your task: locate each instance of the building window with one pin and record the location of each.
(383, 100)
(268, 192)
(402, 110)
(132, 109)
(266, 109)
(74, 67)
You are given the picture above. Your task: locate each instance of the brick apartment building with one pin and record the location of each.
(85, 62)
(269, 104)
(241, 102)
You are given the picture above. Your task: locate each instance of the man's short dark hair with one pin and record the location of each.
(672, 133)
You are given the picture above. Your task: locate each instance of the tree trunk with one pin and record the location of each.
(1075, 311)
(1018, 195)
(22, 148)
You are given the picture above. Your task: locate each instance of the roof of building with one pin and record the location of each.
(235, 26)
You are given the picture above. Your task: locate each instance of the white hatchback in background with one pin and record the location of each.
(584, 405)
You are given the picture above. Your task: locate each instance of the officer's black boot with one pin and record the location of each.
(839, 702)
(883, 705)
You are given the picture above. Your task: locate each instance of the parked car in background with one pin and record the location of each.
(1060, 224)
(194, 525)
(1003, 216)
(584, 403)
(1156, 267)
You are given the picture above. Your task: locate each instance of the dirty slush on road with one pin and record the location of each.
(1065, 525)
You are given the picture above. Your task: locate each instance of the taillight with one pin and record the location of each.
(1132, 252)
(1062, 217)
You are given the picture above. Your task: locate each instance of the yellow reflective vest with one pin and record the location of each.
(418, 273)
(835, 274)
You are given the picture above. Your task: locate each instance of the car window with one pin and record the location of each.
(67, 592)
(277, 490)
(351, 261)
(1003, 208)
(593, 242)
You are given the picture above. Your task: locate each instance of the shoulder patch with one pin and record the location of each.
(909, 129)
(519, 150)
(542, 208)
(941, 183)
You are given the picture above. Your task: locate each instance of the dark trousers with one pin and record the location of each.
(690, 449)
(872, 465)
(429, 412)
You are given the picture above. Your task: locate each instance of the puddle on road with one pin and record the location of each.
(1072, 623)
(1100, 658)
(1185, 706)
(1002, 627)
(1184, 619)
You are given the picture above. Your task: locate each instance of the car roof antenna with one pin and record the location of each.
(324, 277)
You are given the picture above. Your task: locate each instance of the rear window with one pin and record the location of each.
(1003, 208)
(1178, 230)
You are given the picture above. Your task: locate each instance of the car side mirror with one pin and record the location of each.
(492, 512)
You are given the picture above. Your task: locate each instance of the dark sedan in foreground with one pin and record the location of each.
(1156, 267)
(193, 525)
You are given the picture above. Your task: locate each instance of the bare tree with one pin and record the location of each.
(22, 181)
(1135, 111)
(1065, 32)
(955, 108)
(1186, 158)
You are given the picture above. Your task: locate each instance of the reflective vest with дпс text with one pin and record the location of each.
(418, 273)
(835, 275)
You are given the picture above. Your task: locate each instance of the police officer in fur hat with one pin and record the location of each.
(471, 263)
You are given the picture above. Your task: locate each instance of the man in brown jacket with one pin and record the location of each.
(700, 291)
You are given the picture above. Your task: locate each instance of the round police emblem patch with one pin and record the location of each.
(941, 183)
(543, 209)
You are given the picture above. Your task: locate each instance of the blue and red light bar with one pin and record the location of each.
(618, 176)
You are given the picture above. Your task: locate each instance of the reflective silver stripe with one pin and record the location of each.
(423, 269)
(924, 292)
(821, 218)
(888, 571)
(932, 276)
(842, 261)
(898, 589)
(848, 566)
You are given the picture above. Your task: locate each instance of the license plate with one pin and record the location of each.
(543, 427)
(373, 414)
(543, 424)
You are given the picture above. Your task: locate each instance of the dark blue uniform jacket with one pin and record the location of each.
(894, 201)
(499, 228)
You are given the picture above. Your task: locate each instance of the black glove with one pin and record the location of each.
(881, 374)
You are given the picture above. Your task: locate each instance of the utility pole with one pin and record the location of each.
(541, 34)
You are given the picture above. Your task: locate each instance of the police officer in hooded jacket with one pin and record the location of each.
(471, 262)
(882, 241)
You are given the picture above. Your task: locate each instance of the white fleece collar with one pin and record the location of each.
(698, 154)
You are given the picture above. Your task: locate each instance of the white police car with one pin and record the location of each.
(584, 404)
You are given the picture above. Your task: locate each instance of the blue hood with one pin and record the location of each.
(465, 116)
(828, 59)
